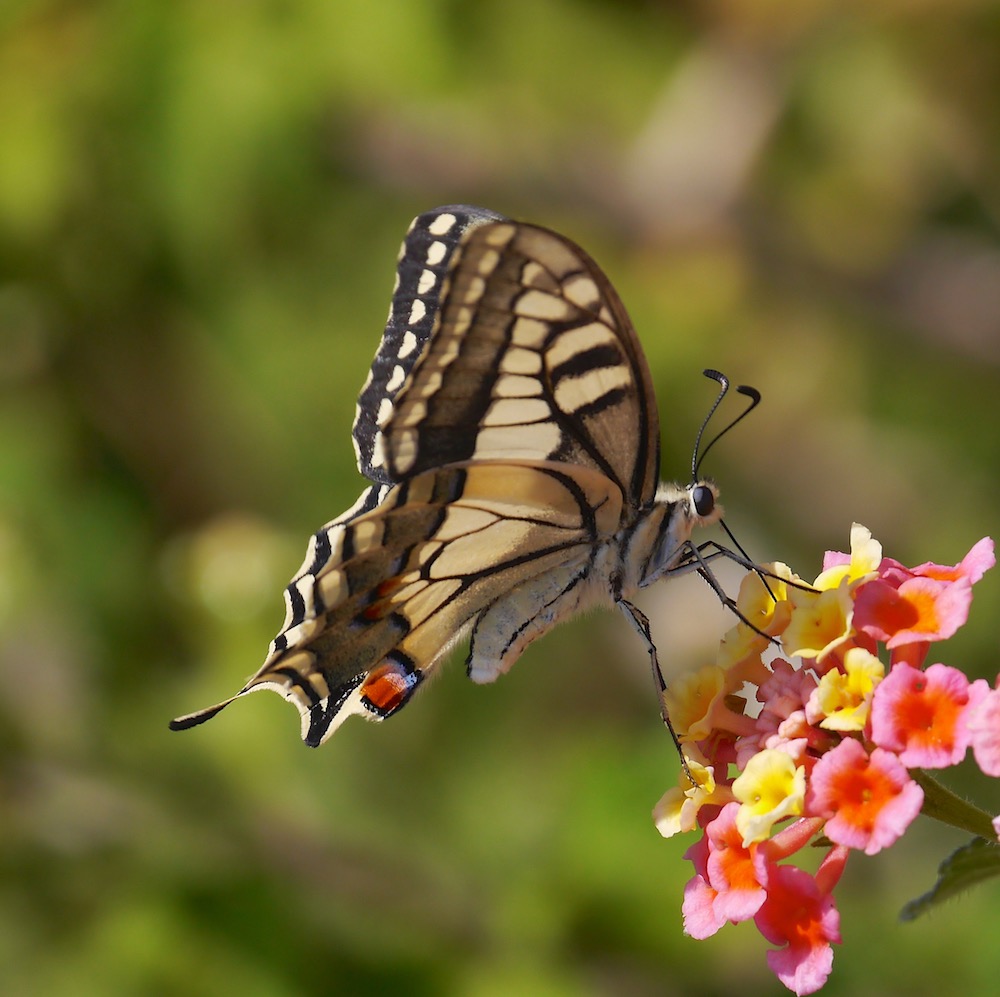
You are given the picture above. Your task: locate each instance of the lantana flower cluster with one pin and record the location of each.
(821, 741)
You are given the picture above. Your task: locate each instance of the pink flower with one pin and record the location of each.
(785, 692)
(701, 919)
(971, 568)
(919, 609)
(921, 715)
(726, 886)
(730, 870)
(782, 722)
(869, 800)
(926, 603)
(984, 729)
(798, 916)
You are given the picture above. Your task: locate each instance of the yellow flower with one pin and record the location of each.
(866, 556)
(843, 699)
(770, 788)
(694, 701)
(820, 622)
(766, 607)
(677, 810)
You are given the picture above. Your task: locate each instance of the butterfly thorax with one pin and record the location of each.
(655, 543)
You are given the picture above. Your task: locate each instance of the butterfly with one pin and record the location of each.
(509, 432)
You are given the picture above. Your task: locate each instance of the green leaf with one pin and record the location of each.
(942, 804)
(970, 864)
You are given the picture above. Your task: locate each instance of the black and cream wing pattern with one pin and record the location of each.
(509, 432)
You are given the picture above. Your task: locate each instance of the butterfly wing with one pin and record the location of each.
(533, 358)
(421, 271)
(383, 596)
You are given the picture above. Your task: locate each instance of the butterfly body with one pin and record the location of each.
(510, 433)
(602, 573)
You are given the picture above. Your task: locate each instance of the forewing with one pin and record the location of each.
(383, 595)
(533, 358)
(424, 259)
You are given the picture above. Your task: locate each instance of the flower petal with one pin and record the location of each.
(869, 800)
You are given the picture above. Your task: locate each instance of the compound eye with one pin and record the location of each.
(703, 499)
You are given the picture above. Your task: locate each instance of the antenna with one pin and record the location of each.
(752, 393)
(715, 375)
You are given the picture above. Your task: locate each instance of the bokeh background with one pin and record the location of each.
(200, 207)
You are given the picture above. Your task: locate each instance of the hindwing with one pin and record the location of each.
(382, 596)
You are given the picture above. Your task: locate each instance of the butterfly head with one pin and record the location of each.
(665, 530)
(688, 507)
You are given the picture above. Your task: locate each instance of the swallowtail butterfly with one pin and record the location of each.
(509, 431)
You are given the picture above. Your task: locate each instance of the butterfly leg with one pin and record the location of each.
(697, 559)
(711, 549)
(640, 623)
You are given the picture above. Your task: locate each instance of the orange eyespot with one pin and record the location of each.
(388, 687)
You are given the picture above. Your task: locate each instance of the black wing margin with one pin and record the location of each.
(424, 260)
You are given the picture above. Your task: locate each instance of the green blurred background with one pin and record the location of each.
(200, 208)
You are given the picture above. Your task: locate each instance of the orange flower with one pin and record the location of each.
(869, 800)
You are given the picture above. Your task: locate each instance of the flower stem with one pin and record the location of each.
(949, 808)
